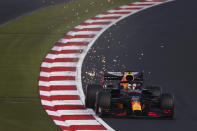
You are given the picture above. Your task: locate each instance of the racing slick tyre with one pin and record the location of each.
(155, 91)
(90, 98)
(167, 105)
(103, 101)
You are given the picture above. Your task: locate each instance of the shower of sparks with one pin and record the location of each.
(114, 60)
(91, 74)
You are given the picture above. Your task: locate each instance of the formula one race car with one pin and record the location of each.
(123, 94)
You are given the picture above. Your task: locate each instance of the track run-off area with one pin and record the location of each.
(11, 10)
(60, 85)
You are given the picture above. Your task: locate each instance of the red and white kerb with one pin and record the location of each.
(60, 86)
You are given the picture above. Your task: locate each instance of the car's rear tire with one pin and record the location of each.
(90, 98)
(103, 101)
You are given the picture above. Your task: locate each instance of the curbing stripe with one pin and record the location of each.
(74, 117)
(78, 36)
(93, 25)
(61, 59)
(63, 40)
(70, 112)
(60, 97)
(63, 107)
(59, 64)
(62, 102)
(55, 69)
(86, 29)
(57, 78)
(98, 21)
(56, 56)
(82, 122)
(59, 92)
(62, 73)
(60, 86)
(56, 48)
(51, 88)
(66, 51)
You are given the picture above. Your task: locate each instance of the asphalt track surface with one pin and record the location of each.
(12, 9)
(161, 41)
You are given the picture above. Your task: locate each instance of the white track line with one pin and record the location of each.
(69, 112)
(62, 73)
(90, 26)
(63, 40)
(59, 92)
(82, 122)
(83, 33)
(57, 48)
(53, 56)
(56, 83)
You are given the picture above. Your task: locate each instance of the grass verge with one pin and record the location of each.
(24, 43)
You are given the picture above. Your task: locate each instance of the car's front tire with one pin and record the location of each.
(103, 101)
(90, 98)
(167, 105)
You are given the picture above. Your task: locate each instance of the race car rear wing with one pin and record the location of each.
(107, 77)
(119, 76)
(113, 76)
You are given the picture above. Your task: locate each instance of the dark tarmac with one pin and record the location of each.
(162, 42)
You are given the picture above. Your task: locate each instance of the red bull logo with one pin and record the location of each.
(136, 106)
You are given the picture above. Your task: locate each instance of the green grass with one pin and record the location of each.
(24, 43)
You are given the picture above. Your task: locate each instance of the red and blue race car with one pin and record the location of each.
(124, 94)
